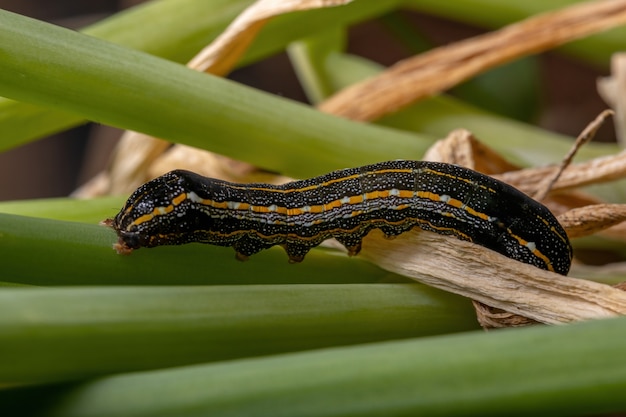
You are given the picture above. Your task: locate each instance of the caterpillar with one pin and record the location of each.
(181, 207)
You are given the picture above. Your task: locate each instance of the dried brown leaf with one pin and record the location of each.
(595, 171)
(461, 147)
(222, 54)
(440, 69)
(588, 220)
(211, 165)
(493, 318)
(133, 155)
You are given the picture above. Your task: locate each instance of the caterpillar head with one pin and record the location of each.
(157, 213)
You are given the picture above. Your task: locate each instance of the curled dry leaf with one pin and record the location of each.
(566, 197)
(211, 165)
(222, 54)
(461, 147)
(493, 318)
(588, 220)
(440, 69)
(538, 182)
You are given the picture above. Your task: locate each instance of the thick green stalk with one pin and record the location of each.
(69, 333)
(173, 29)
(69, 209)
(70, 253)
(55, 67)
(177, 30)
(569, 370)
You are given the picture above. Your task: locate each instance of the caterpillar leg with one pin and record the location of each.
(241, 257)
(247, 246)
(296, 251)
(352, 244)
(391, 231)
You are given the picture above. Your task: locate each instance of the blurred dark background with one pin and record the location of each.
(56, 165)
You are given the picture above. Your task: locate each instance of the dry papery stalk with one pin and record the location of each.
(440, 69)
(537, 182)
(486, 276)
(581, 214)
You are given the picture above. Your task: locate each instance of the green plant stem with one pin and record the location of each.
(177, 30)
(310, 59)
(172, 29)
(70, 333)
(71, 253)
(68, 209)
(108, 83)
(568, 370)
